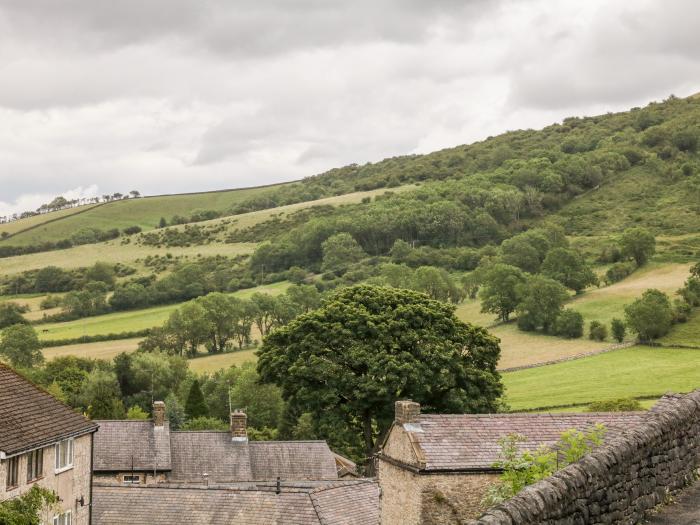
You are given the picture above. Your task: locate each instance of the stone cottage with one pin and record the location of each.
(44, 442)
(146, 452)
(435, 468)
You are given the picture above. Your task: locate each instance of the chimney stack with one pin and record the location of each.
(239, 424)
(158, 413)
(406, 411)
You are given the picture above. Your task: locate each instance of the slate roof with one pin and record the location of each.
(470, 441)
(189, 455)
(131, 445)
(30, 417)
(342, 503)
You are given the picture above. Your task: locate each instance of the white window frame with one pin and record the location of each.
(65, 518)
(58, 467)
(135, 479)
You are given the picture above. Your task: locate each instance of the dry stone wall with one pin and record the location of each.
(618, 482)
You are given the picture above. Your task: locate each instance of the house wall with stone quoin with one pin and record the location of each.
(435, 469)
(619, 482)
(34, 428)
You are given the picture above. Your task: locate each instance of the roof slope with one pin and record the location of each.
(298, 460)
(131, 445)
(471, 441)
(349, 503)
(31, 417)
(213, 453)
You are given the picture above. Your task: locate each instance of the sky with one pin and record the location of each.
(167, 96)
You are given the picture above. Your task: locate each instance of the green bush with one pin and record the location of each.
(619, 271)
(569, 324)
(618, 329)
(615, 405)
(597, 331)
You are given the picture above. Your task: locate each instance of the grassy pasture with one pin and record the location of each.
(603, 304)
(114, 252)
(630, 372)
(143, 212)
(132, 320)
(22, 224)
(685, 334)
(213, 363)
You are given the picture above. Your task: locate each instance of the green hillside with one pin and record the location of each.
(14, 227)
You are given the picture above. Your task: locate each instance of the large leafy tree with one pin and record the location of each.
(639, 244)
(499, 290)
(569, 268)
(367, 346)
(541, 303)
(340, 251)
(20, 344)
(650, 316)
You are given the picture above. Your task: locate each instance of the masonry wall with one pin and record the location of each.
(618, 482)
(69, 485)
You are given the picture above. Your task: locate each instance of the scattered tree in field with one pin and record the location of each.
(541, 301)
(650, 316)
(162, 223)
(597, 331)
(569, 324)
(639, 244)
(499, 290)
(367, 346)
(569, 268)
(195, 406)
(618, 329)
(305, 296)
(20, 345)
(340, 251)
(437, 283)
(11, 313)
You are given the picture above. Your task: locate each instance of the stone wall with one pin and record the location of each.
(618, 482)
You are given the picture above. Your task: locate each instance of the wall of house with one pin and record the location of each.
(618, 482)
(431, 499)
(69, 485)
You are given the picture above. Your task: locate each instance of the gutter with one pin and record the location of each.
(47, 442)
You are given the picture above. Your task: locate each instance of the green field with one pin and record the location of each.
(30, 222)
(215, 362)
(144, 212)
(113, 252)
(630, 372)
(685, 334)
(131, 320)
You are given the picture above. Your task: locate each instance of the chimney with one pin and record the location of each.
(406, 411)
(239, 424)
(158, 413)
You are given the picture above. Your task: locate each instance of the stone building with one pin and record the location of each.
(44, 442)
(435, 468)
(146, 452)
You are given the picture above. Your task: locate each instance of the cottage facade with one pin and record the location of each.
(44, 442)
(436, 468)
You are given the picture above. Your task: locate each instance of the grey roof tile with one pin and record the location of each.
(31, 417)
(131, 445)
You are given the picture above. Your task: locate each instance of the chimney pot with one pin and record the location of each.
(239, 424)
(406, 411)
(158, 413)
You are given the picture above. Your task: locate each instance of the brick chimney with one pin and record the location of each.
(239, 426)
(406, 411)
(158, 413)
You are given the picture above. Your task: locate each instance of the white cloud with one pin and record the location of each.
(184, 95)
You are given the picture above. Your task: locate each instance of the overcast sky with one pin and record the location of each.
(166, 96)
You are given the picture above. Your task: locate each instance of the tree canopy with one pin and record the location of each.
(367, 346)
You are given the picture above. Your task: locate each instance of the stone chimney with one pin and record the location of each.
(158, 413)
(406, 411)
(239, 426)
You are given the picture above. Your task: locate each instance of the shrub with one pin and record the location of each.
(205, 423)
(615, 405)
(569, 324)
(132, 230)
(618, 271)
(650, 316)
(618, 329)
(597, 331)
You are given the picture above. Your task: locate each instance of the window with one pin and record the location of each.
(132, 478)
(64, 454)
(12, 472)
(35, 465)
(62, 519)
